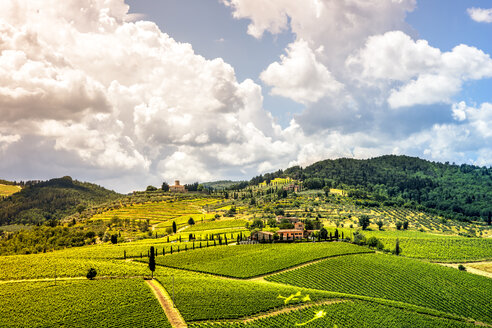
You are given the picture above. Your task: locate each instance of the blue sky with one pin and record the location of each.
(136, 92)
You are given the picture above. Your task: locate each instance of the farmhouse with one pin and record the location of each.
(292, 187)
(297, 233)
(261, 235)
(177, 187)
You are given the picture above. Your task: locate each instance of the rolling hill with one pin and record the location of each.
(51, 200)
(460, 192)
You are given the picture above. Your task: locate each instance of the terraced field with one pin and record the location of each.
(162, 213)
(221, 224)
(401, 279)
(246, 261)
(98, 303)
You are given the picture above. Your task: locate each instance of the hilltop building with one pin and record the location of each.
(177, 187)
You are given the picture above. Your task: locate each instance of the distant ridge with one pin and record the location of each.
(51, 200)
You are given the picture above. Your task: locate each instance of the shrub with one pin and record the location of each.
(461, 267)
(364, 221)
(91, 274)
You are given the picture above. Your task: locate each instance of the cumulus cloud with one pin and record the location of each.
(120, 94)
(480, 15)
(425, 75)
(299, 76)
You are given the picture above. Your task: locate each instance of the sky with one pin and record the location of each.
(132, 93)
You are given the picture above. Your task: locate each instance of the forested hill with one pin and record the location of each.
(51, 200)
(458, 191)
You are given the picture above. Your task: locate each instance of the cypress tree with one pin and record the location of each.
(152, 261)
(397, 247)
(124, 254)
(175, 228)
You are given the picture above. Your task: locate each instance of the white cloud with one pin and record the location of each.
(299, 76)
(425, 74)
(339, 25)
(480, 15)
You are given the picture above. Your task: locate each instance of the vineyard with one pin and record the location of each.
(204, 297)
(346, 314)
(400, 279)
(98, 303)
(250, 260)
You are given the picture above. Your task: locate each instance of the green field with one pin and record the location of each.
(246, 261)
(97, 303)
(395, 278)
(347, 314)
(204, 297)
(430, 246)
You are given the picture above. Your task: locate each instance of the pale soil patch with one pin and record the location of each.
(478, 268)
(172, 313)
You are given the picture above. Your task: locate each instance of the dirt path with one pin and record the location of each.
(469, 267)
(291, 309)
(172, 313)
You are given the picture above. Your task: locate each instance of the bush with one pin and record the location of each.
(359, 238)
(461, 267)
(398, 225)
(91, 274)
(372, 242)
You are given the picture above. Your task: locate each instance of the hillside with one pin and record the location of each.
(53, 199)
(456, 191)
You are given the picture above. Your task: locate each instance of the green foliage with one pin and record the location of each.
(461, 267)
(455, 191)
(151, 188)
(395, 278)
(347, 314)
(79, 303)
(44, 239)
(51, 200)
(364, 221)
(250, 260)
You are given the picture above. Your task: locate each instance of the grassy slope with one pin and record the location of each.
(400, 279)
(98, 303)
